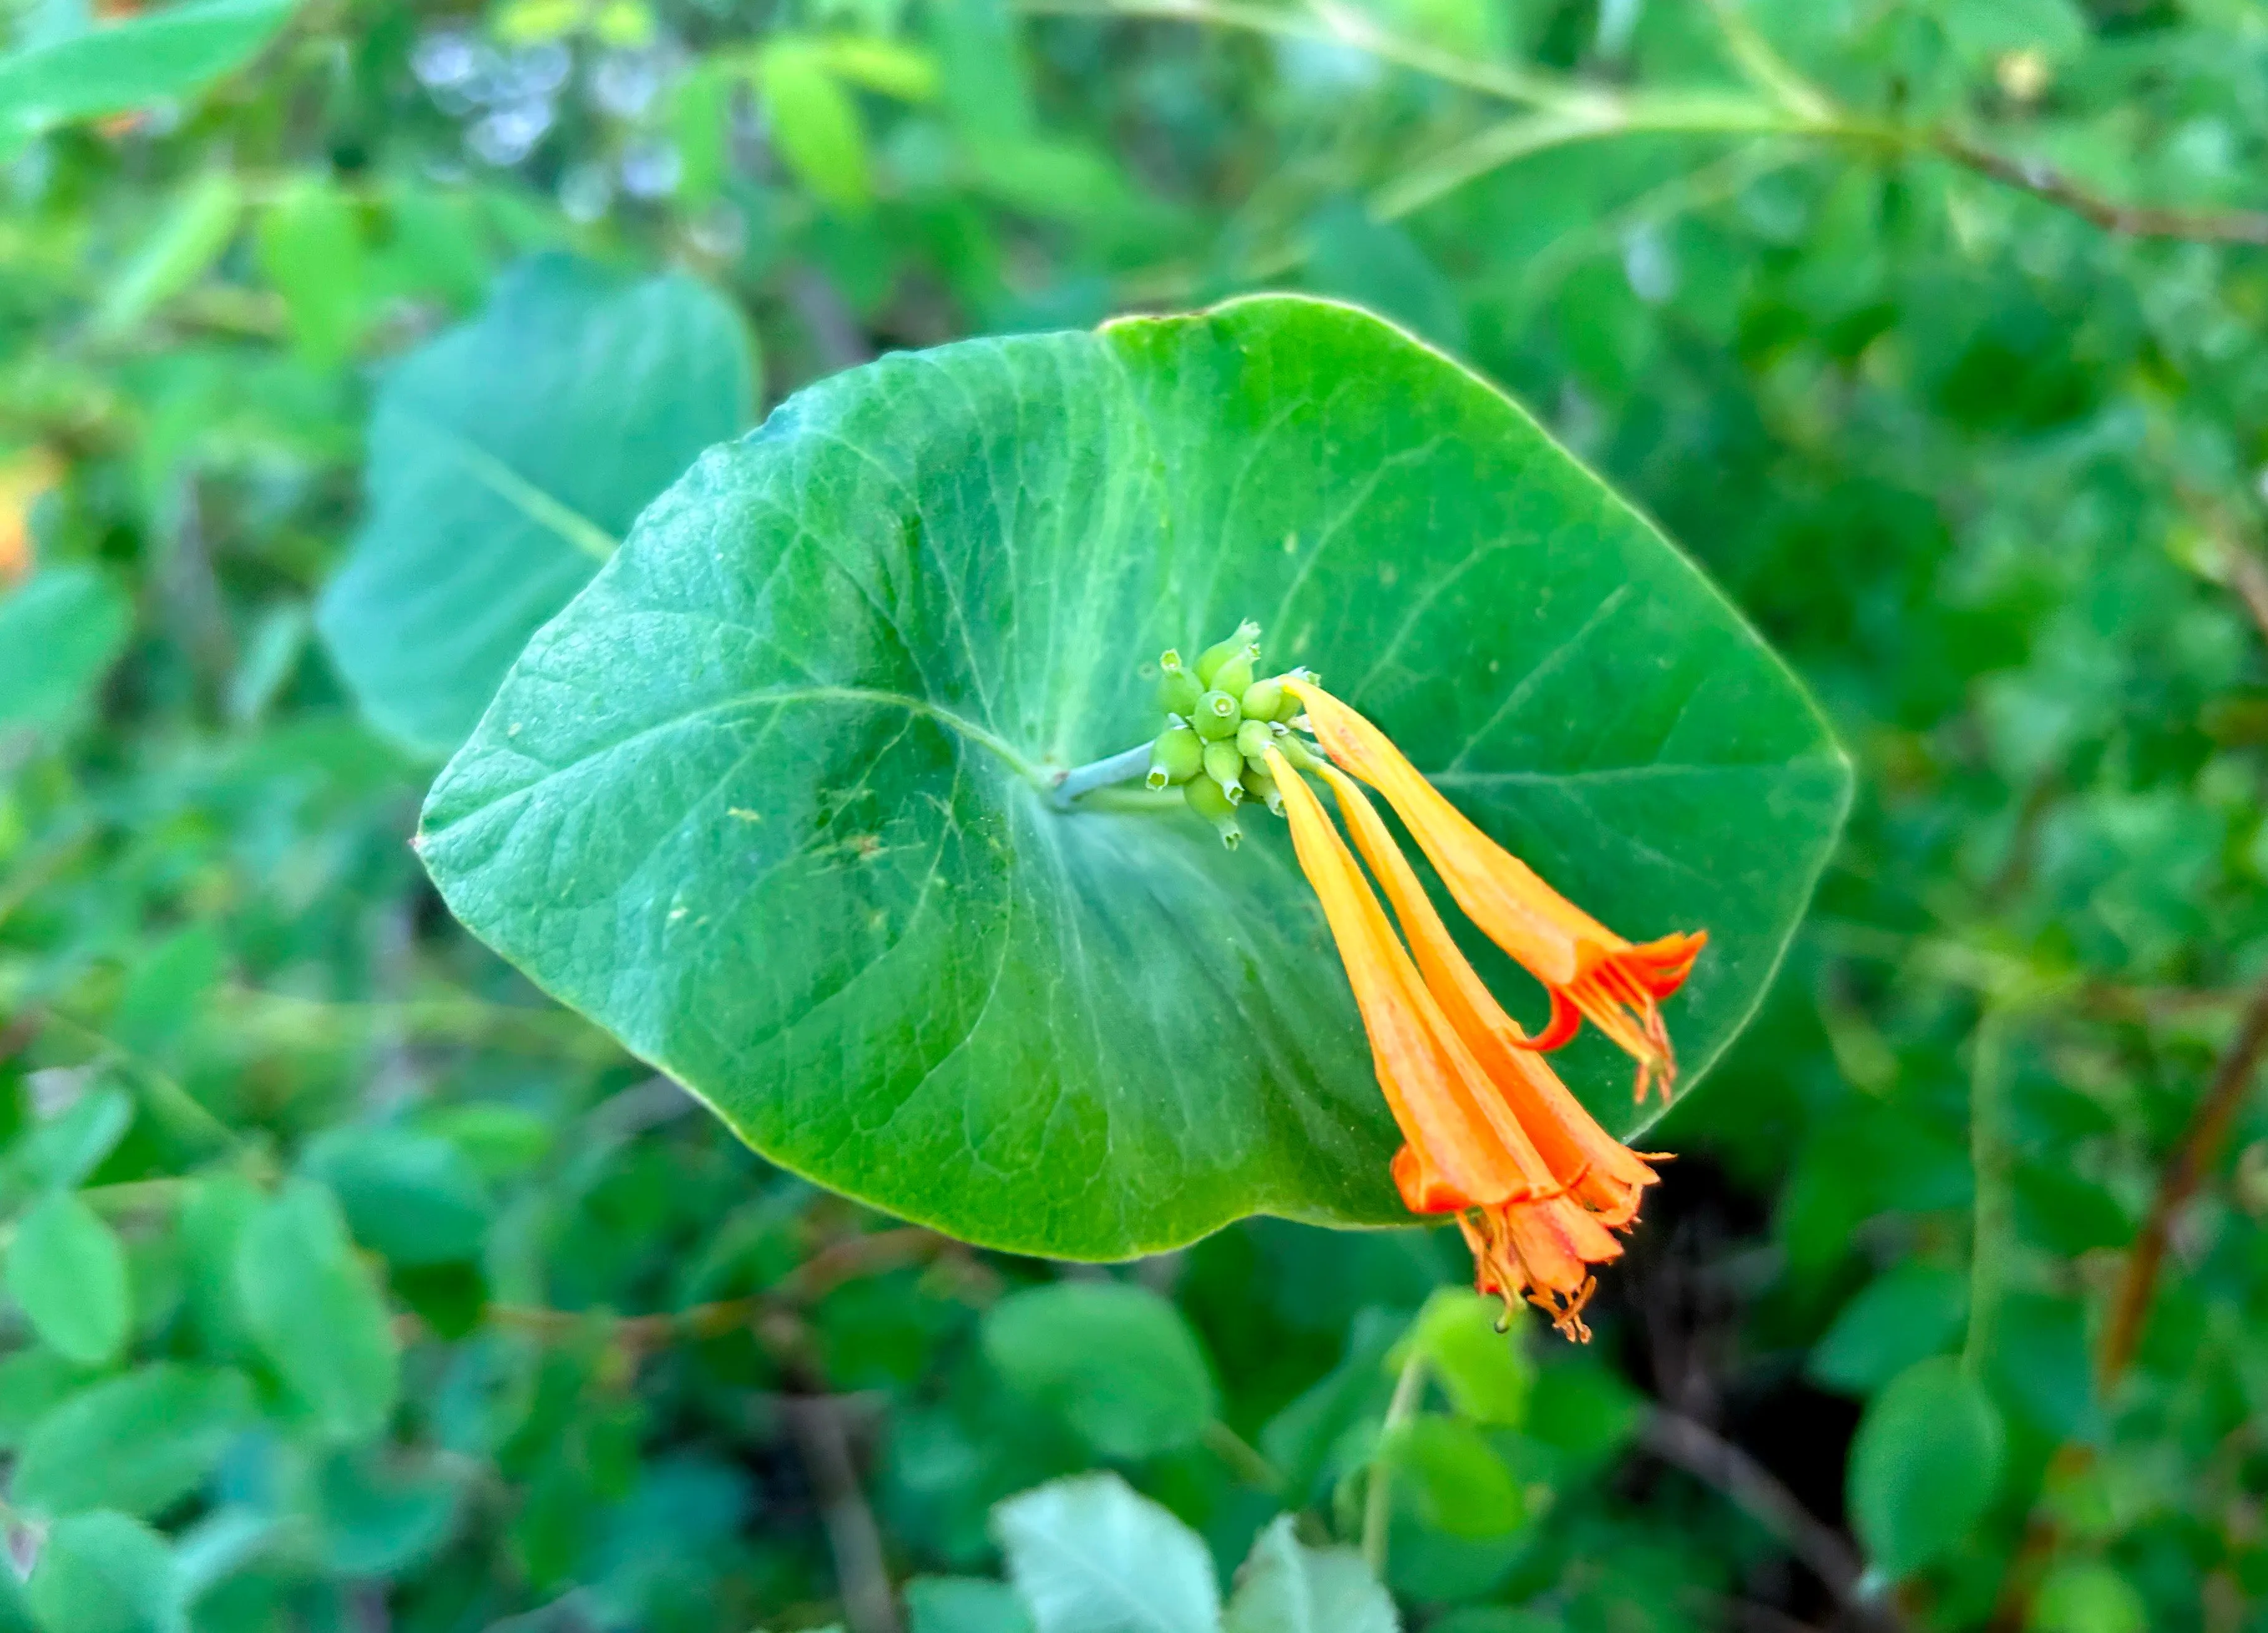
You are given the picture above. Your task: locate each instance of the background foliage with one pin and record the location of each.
(349, 1285)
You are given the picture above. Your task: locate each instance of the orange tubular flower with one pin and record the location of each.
(1593, 974)
(1601, 1171)
(1469, 1151)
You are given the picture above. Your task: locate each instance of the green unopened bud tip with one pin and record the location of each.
(1175, 756)
(1217, 715)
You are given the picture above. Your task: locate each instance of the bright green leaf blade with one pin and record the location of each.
(160, 53)
(767, 801)
(67, 1270)
(105, 1573)
(506, 458)
(1090, 1554)
(1118, 1362)
(317, 1314)
(1286, 1587)
(1924, 1465)
(134, 1444)
(59, 635)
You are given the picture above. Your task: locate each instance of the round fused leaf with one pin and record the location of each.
(769, 800)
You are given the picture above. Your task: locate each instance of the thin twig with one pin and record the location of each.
(1588, 112)
(861, 1574)
(2044, 181)
(2200, 1147)
(845, 1261)
(1990, 1156)
(1758, 1493)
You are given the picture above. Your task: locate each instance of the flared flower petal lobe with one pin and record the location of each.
(1469, 1152)
(1593, 974)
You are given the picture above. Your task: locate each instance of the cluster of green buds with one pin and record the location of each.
(1221, 719)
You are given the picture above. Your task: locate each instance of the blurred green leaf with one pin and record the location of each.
(1914, 1311)
(1925, 1465)
(195, 228)
(1089, 1554)
(506, 458)
(964, 1605)
(814, 122)
(1485, 1371)
(68, 1273)
(2087, 1596)
(60, 632)
(378, 1519)
(32, 1381)
(105, 1573)
(316, 1312)
(135, 61)
(1116, 1360)
(65, 1149)
(880, 64)
(1285, 1586)
(311, 251)
(135, 1444)
(844, 647)
(1450, 1478)
(413, 1199)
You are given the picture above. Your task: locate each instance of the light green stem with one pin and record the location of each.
(1378, 1501)
(1993, 1229)
(1123, 766)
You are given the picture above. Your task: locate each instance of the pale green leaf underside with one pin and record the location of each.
(765, 800)
(506, 457)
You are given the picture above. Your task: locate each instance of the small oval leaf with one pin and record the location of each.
(1924, 1465)
(1116, 1360)
(67, 1270)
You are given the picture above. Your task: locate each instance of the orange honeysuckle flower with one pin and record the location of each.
(1468, 1151)
(1601, 1171)
(1593, 974)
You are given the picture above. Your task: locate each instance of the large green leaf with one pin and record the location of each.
(506, 458)
(769, 800)
(167, 52)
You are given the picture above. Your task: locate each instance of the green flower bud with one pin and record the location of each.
(1258, 784)
(1177, 755)
(1178, 690)
(1206, 799)
(1252, 738)
(1302, 752)
(1263, 698)
(1236, 674)
(1217, 715)
(1225, 766)
(1210, 662)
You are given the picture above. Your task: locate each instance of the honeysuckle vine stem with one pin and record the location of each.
(1557, 110)
(1378, 1501)
(1127, 765)
(1994, 1230)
